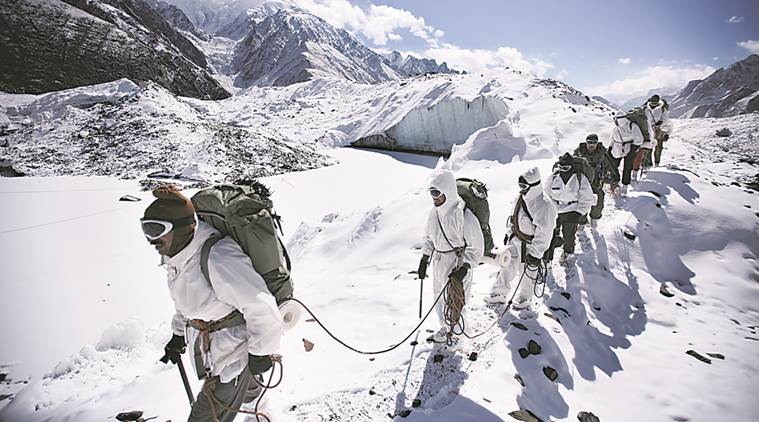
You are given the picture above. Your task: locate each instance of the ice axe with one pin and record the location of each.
(185, 380)
(421, 292)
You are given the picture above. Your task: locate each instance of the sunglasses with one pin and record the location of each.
(435, 193)
(155, 229)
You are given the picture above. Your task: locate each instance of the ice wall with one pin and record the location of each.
(438, 127)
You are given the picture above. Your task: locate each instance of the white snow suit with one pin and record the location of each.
(235, 285)
(538, 221)
(574, 195)
(623, 136)
(451, 226)
(659, 114)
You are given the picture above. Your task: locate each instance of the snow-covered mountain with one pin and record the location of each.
(664, 92)
(78, 43)
(726, 92)
(293, 46)
(414, 66)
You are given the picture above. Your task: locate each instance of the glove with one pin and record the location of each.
(459, 273)
(665, 137)
(174, 348)
(259, 364)
(532, 261)
(422, 271)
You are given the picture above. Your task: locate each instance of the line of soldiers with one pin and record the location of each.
(542, 219)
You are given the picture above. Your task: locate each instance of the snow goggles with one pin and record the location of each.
(435, 193)
(155, 229)
(564, 167)
(591, 141)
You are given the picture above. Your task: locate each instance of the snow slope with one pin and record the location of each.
(618, 345)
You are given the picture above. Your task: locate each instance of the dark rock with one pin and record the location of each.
(559, 309)
(404, 413)
(414, 343)
(534, 348)
(519, 379)
(372, 392)
(129, 198)
(736, 321)
(587, 417)
(629, 234)
(658, 205)
(519, 325)
(523, 353)
(698, 356)
(524, 416)
(5, 396)
(566, 295)
(664, 291)
(552, 317)
(129, 416)
(717, 356)
(416, 403)
(293, 407)
(724, 132)
(655, 193)
(550, 373)
(86, 42)
(437, 358)
(473, 356)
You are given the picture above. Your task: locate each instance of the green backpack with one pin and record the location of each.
(475, 195)
(637, 115)
(244, 212)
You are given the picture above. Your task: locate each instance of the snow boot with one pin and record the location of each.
(566, 257)
(441, 336)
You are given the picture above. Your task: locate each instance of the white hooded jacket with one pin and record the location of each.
(234, 285)
(624, 134)
(574, 195)
(543, 213)
(659, 114)
(451, 222)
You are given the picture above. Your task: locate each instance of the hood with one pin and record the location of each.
(445, 182)
(532, 176)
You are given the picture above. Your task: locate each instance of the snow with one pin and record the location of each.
(354, 231)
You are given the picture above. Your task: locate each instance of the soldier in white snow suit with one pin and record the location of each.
(626, 138)
(232, 324)
(573, 195)
(454, 242)
(657, 111)
(529, 234)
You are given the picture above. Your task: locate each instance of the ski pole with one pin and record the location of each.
(185, 381)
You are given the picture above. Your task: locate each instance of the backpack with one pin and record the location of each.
(244, 212)
(583, 166)
(475, 196)
(637, 115)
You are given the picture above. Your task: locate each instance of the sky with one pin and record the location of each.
(617, 49)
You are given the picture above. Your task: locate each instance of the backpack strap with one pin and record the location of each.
(205, 252)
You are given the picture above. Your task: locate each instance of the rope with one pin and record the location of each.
(210, 384)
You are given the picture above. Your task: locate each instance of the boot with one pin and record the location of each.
(566, 257)
(497, 296)
(439, 337)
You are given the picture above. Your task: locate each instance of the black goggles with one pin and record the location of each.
(435, 193)
(155, 229)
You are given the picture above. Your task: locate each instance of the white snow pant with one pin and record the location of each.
(512, 269)
(442, 266)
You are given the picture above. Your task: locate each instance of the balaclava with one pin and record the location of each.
(170, 205)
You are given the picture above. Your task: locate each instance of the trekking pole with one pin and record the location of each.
(421, 294)
(185, 381)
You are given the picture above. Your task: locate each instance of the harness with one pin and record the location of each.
(205, 328)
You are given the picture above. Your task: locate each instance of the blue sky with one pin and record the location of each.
(618, 49)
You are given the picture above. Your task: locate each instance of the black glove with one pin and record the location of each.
(174, 348)
(422, 271)
(531, 260)
(665, 137)
(259, 364)
(459, 273)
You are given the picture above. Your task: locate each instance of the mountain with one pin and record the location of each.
(603, 100)
(293, 46)
(664, 92)
(85, 42)
(726, 92)
(413, 66)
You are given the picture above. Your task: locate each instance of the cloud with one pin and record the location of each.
(735, 19)
(377, 23)
(649, 78)
(479, 60)
(562, 75)
(751, 45)
(715, 58)
(624, 60)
